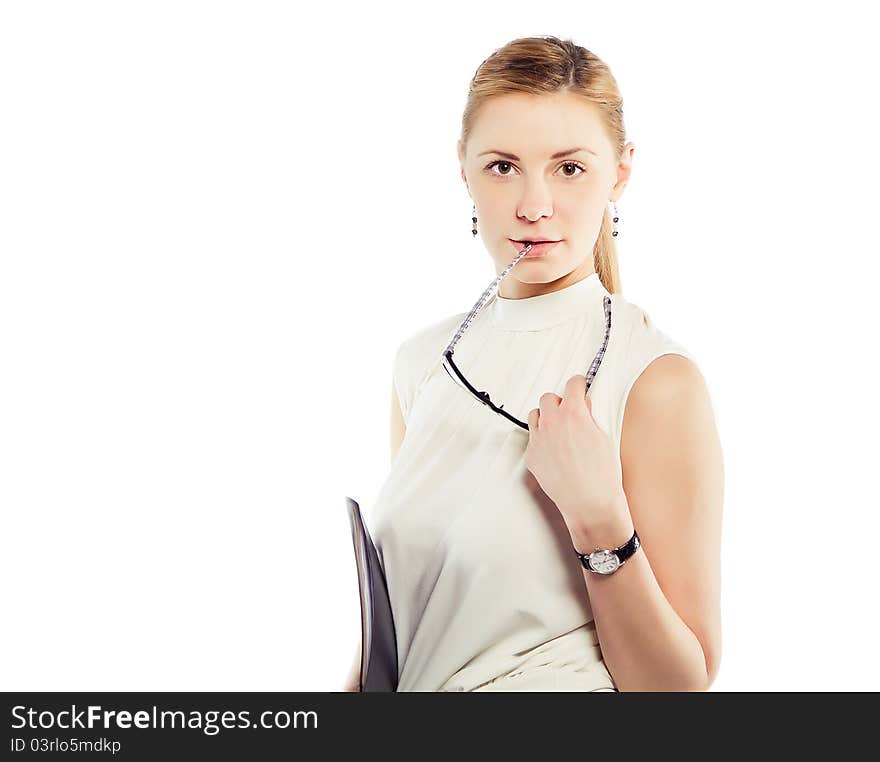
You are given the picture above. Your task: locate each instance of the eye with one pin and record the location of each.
(499, 162)
(495, 163)
(576, 165)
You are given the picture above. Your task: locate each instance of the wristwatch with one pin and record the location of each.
(602, 561)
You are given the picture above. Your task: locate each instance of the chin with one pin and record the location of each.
(541, 275)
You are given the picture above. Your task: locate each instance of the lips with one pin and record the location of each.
(537, 250)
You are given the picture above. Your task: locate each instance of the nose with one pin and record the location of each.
(535, 203)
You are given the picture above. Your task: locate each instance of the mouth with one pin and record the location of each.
(539, 248)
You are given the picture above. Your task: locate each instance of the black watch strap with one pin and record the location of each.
(626, 550)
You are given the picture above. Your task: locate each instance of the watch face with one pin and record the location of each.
(604, 561)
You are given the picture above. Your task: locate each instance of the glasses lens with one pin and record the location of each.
(481, 397)
(453, 375)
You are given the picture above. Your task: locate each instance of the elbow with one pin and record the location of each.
(707, 675)
(701, 684)
(698, 681)
(713, 663)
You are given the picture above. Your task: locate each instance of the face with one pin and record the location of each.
(529, 195)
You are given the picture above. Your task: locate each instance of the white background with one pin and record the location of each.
(219, 220)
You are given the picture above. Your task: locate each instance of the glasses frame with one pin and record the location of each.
(481, 396)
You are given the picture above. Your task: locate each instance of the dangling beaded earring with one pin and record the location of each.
(474, 220)
(615, 218)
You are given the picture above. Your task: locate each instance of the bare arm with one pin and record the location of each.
(659, 617)
(398, 430)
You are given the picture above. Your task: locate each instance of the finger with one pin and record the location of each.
(533, 419)
(549, 402)
(575, 390)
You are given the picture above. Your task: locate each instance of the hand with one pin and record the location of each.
(572, 459)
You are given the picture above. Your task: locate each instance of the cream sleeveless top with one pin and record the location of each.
(486, 590)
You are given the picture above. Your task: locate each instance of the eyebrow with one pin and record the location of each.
(557, 155)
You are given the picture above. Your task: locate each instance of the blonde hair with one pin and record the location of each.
(547, 65)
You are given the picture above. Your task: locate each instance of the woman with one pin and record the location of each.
(552, 420)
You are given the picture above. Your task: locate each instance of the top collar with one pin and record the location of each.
(545, 310)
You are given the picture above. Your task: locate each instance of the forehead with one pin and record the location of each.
(536, 126)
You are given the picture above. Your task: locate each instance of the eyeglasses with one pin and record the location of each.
(456, 375)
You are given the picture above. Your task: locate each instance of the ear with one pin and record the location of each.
(624, 171)
(461, 165)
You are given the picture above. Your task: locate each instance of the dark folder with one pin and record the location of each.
(378, 639)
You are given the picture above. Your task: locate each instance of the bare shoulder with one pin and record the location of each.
(670, 379)
(668, 415)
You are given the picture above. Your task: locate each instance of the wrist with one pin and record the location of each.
(612, 532)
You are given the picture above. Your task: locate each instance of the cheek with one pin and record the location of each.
(586, 205)
(587, 220)
(494, 207)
